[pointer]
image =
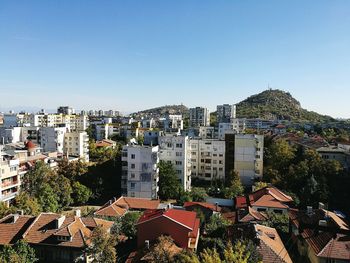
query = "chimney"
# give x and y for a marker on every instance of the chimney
(59, 221)
(77, 213)
(20, 212)
(14, 218)
(309, 210)
(216, 206)
(321, 205)
(147, 244)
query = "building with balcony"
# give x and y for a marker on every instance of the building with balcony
(9, 177)
(199, 116)
(248, 157)
(207, 159)
(77, 144)
(52, 139)
(176, 150)
(225, 113)
(140, 172)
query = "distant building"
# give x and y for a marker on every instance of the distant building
(77, 144)
(225, 113)
(10, 134)
(52, 139)
(199, 117)
(65, 110)
(207, 132)
(140, 174)
(176, 150)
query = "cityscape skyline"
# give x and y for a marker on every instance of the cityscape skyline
(135, 55)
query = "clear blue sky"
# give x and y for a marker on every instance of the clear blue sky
(130, 55)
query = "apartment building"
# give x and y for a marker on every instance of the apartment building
(10, 134)
(227, 128)
(65, 110)
(176, 150)
(207, 132)
(248, 157)
(208, 159)
(52, 139)
(9, 176)
(105, 131)
(140, 172)
(77, 144)
(199, 116)
(225, 113)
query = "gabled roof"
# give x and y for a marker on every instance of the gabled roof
(270, 197)
(10, 230)
(250, 214)
(271, 246)
(203, 204)
(118, 207)
(324, 243)
(44, 231)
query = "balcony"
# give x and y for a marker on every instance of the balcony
(9, 184)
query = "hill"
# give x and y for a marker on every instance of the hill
(167, 109)
(277, 104)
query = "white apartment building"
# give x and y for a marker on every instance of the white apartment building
(228, 128)
(176, 150)
(199, 116)
(248, 157)
(140, 172)
(105, 131)
(77, 144)
(65, 110)
(225, 113)
(208, 159)
(174, 122)
(10, 134)
(9, 178)
(52, 139)
(207, 132)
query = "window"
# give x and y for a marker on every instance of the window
(220, 162)
(179, 145)
(132, 185)
(132, 175)
(178, 171)
(168, 145)
(214, 161)
(132, 156)
(178, 154)
(178, 162)
(132, 166)
(169, 162)
(132, 194)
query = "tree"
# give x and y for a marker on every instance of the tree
(169, 185)
(29, 205)
(198, 194)
(278, 221)
(81, 194)
(163, 251)
(259, 185)
(102, 246)
(48, 199)
(20, 252)
(234, 186)
(4, 210)
(126, 225)
(72, 170)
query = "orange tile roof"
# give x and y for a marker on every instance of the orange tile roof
(203, 204)
(270, 197)
(10, 231)
(271, 246)
(44, 231)
(121, 205)
(252, 215)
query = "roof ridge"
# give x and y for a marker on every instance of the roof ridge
(328, 244)
(31, 225)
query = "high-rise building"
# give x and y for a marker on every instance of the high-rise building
(77, 144)
(199, 116)
(176, 150)
(140, 172)
(225, 113)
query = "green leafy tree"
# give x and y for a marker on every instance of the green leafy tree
(20, 252)
(81, 194)
(29, 205)
(198, 194)
(169, 185)
(259, 185)
(234, 186)
(162, 251)
(126, 225)
(4, 210)
(278, 221)
(48, 199)
(72, 170)
(102, 246)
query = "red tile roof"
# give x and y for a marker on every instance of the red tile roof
(118, 207)
(251, 214)
(203, 204)
(324, 243)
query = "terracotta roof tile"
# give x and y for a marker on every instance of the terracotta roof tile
(11, 231)
(203, 204)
